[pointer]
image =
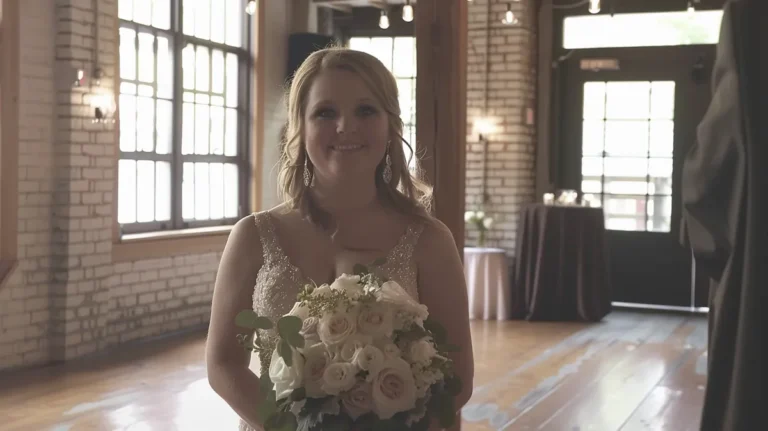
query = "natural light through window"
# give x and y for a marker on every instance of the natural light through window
(642, 29)
(399, 55)
(181, 116)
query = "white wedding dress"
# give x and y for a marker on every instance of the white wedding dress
(279, 281)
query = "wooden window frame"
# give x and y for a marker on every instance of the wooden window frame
(9, 138)
(210, 238)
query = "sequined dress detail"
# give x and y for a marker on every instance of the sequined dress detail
(279, 281)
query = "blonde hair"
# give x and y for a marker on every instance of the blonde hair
(405, 193)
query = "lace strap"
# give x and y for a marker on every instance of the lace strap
(269, 244)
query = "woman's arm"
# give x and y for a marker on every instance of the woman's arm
(227, 361)
(443, 289)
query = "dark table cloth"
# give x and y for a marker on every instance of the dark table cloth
(561, 264)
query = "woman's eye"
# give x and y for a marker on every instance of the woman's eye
(367, 110)
(324, 113)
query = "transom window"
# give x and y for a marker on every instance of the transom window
(183, 110)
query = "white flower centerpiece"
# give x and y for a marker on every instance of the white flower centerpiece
(481, 222)
(359, 353)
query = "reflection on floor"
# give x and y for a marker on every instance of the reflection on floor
(633, 371)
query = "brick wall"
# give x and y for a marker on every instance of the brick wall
(67, 298)
(500, 87)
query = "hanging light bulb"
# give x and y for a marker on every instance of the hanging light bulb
(594, 6)
(384, 20)
(691, 7)
(509, 16)
(407, 11)
(250, 8)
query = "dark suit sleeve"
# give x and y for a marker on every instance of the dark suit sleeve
(713, 172)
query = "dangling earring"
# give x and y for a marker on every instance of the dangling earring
(386, 174)
(307, 175)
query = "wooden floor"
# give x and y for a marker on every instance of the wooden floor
(631, 372)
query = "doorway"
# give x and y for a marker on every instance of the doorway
(629, 118)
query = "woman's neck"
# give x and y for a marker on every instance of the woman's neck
(345, 198)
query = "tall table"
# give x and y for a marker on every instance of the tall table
(487, 274)
(561, 264)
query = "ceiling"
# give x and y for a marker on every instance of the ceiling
(347, 5)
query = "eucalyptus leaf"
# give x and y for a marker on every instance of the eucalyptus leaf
(247, 319)
(282, 421)
(295, 339)
(285, 352)
(262, 322)
(379, 262)
(298, 394)
(439, 334)
(288, 325)
(267, 408)
(360, 269)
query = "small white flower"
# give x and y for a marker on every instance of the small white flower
(480, 214)
(469, 215)
(487, 222)
(349, 284)
(322, 290)
(339, 377)
(422, 351)
(286, 378)
(369, 358)
(393, 294)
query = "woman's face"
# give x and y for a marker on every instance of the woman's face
(346, 128)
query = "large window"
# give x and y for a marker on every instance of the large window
(399, 55)
(183, 113)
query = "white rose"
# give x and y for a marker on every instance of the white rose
(480, 214)
(302, 312)
(316, 360)
(394, 294)
(322, 290)
(488, 222)
(391, 351)
(369, 358)
(422, 351)
(286, 378)
(349, 284)
(352, 345)
(309, 330)
(394, 390)
(335, 328)
(375, 320)
(358, 400)
(339, 377)
(468, 215)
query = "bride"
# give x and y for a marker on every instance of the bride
(349, 198)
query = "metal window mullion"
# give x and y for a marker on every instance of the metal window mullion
(648, 155)
(178, 115)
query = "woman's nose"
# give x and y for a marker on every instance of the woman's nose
(346, 124)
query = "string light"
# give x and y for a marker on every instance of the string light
(384, 20)
(594, 6)
(250, 8)
(407, 11)
(509, 16)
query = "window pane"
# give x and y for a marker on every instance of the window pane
(146, 57)
(164, 68)
(146, 117)
(188, 21)
(217, 190)
(234, 19)
(591, 186)
(624, 213)
(189, 96)
(146, 90)
(217, 101)
(202, 118)
(662, 138)
(381, 48)
(127, 123)
(642, 29)
(660, 168)
(202, 98)
(188, 67)
(161, 14)
(202, 18)
(619, 187)
(188, 191)
(163, 192)
(626, 167)
(127, 88)
(218, 25)
(594, 100)
(127, 53)
(360, 43)
(125, 9)
(405, 57)
(145, 179)
(188, 129)
(406, 88)
(202, 68)
(660, 186)
(659, 214)
(217, 130)
(232, 80)
(231, 187)
(230, 143)
(593, 137)
(626, 138)
(628, 100)
(142, 11)
(592, 166)
(202, 192)
(164, 126)
(126, 192)
(217, 78)
(663, 100)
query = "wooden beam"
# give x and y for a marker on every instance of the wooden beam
(441, 105)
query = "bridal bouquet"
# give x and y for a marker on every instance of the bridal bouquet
(358, 354)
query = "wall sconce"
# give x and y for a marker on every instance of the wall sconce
(509, 16)
(103, 105)
(594, 6)
(80, 76)
(408, 11)
(483, 127)
(384, 20)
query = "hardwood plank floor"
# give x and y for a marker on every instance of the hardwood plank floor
(632, 372)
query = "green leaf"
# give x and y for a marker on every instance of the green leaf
(246, 319)
(262, 322)
(285, 352)
(453, 386)
(267, 408)
(360, 269)
(295, 339)
(288, 325)
(439, 334)
(298, 394)
(379, 262)
(449, 348)
(282, 421)
(386, 425)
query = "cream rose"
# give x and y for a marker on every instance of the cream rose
(390, 349)
(309, 330)
(394, 389)
(369, 358)
(349, 284)
(339, 377)
(357, 401)
(422, 351)
(352, 345)
(286, 378)
(335, 328)
(394, 294)
(375, 320)
(316, 360)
